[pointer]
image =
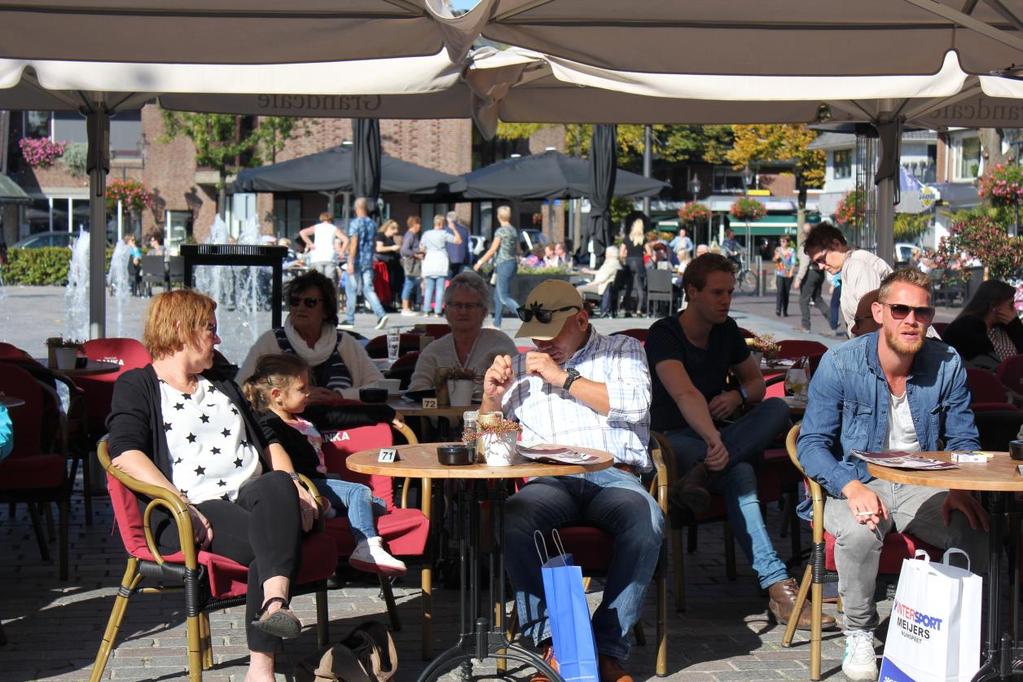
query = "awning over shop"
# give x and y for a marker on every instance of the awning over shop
(771, 225)
(11, 193)
(955, 194)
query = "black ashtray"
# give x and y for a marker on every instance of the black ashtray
(373, 395)
(453, 455)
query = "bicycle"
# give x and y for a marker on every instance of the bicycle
(745, 279)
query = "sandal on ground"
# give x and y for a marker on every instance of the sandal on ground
(281, 623)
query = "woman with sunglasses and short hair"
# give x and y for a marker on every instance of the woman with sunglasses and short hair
(987, 330)
(336, 360)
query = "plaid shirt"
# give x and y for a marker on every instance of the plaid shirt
(548, 414)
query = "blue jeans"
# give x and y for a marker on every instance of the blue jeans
(435, 291)
(409, 288)
(612, 500)
(355, 501)
(352, 283)
(745, 440)
(502, 292)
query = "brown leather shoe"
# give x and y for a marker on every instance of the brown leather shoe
(689, 496)
(548, 657)
(783, 599)
(611, 670)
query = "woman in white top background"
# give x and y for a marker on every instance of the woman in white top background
(435, 263)
(325, 244)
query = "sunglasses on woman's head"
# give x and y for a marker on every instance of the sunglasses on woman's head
(309, 302)
(923, 313)
(541, 314)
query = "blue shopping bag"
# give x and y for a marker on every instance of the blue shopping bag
(568, 613)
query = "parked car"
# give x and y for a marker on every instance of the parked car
(903, 252)
(43, 239)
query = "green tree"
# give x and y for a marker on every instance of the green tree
(224, 142)
(909, 226)
(771, 142)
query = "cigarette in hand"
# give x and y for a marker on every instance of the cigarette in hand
(865, 513)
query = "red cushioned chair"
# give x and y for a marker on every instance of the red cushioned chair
(377, 346)
(638, 334)
(30, 474)
(404, 530)
(793, 349)
(896, 548)
(1010, 373)
(210, 581)
(988, 393)
(436, 330)
(11, 352)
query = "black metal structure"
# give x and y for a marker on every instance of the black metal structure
(236, 255)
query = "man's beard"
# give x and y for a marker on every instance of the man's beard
(901, 347)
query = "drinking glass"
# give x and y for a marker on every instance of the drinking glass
(393, 344)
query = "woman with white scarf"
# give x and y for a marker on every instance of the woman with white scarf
(336, 360)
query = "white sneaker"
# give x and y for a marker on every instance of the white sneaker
(371, 557)
(408, 312)
(859, 662)
(382, 322)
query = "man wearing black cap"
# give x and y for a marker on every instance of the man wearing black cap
(580, 388)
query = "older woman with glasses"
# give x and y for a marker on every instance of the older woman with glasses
(469, 345)
(180, 425)
(336, 359)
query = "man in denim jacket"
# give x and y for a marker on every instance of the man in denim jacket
(893, 389)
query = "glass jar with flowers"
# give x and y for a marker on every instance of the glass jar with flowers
(763, 348)
(496, 438)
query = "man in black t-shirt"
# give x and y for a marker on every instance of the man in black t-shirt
(718, 426)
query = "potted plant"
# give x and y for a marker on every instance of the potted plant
(40, 152)
(747, 210)
(694, 213)
(62, 353)
(461, 383)
(851, 208)
(763, 347)
(495, 438)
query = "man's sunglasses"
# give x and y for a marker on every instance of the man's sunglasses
(309, 302)
(923, 313)
(542, 315)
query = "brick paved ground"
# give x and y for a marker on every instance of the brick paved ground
(54, 628)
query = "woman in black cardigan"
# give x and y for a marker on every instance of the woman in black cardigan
(179, 425)
(988, 330)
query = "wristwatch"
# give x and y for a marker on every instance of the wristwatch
(573, 374)
(743, 394)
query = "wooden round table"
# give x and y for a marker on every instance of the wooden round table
(478, 637)
(999, 478)
(91, 367)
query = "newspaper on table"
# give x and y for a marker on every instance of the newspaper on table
(903, 459)
(555, 454)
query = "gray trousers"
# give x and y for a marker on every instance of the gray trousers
(912, 509)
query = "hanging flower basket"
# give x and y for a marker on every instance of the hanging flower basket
(1002, 185)
(851, 208)
(41, 152)
(747, 210)
(693, 213)
(132, 194)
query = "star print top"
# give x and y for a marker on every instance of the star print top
(137, 421)
(211, 456)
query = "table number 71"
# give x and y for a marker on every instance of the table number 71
(387, 456)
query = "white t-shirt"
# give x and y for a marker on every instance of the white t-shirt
(901, 432)
(210, 455)
(323, 243)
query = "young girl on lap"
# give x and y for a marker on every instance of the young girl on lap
(279, 390)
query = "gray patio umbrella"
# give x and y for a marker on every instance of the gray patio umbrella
(366, 159)
(603, 172)
(333, 170)
(10, 192)
(550, 175)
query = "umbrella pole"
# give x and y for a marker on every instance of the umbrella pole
(98, 164)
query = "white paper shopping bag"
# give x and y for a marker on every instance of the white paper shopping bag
(934, 631)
